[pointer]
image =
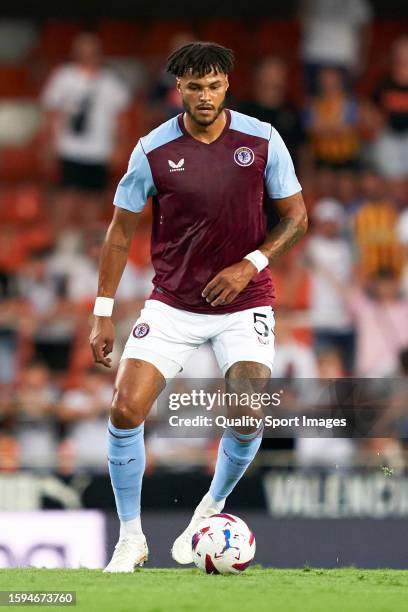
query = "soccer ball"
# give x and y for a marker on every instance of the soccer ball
(223, 544)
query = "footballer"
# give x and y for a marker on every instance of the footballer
(207, 171)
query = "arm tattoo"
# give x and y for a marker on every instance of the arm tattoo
(119, 247)
(283, 237)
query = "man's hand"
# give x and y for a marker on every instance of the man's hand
(101, 340)
(226, 285)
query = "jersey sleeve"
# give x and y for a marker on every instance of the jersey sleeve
(280, 177)
(137, 185)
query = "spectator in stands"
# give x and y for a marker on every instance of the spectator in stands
(13, 254)
(336, 33)
(380, 314)
(347, 189)
(8, 444)
(331, 121)
(10, 318)
(374, 227)
(293, 359)
(394, 419)
(82, 282)
(84, 411)
(52, 317)
(35, 402)
(327, 450)
(84, 103)
(270, 102)
(329, 253)
(391, 99)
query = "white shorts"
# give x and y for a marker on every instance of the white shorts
(167, 337)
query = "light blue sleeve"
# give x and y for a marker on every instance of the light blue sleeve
(280, 177)
(137, 185)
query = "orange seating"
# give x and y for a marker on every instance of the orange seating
(278, 36)
(135, 120)
(56, 38)
(383, 33)
(158, 37)
(15, 81)
(23, 204)
(120, 37)
(14, 250)
(20, 163)
(241, 80)
(139, 252)
(9, 453)
(231, 33)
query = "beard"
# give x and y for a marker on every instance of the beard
(203, 122)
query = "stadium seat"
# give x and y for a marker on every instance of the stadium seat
(22, 204)
(14, 251)
(383, 33)
(139, 252)
(56, 38)
(158, 37)
(136, 120)
(241, 80)
(279, 37)
(231, 33)
(120, 37)
(9, 453)
(20, 163)
(15, 81)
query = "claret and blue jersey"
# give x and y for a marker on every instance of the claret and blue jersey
(208, 205)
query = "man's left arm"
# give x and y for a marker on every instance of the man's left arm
(228, 283)
(284, 189)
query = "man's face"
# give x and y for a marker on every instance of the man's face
(87, 49)
(203, 98)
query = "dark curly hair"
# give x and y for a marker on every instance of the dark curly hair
(200, 58)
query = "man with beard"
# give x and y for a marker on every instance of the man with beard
(207, 171)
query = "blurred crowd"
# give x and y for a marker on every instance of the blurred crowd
(333, 81)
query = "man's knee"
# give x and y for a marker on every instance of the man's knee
(246, 380)
(248, 370)
(128, 410)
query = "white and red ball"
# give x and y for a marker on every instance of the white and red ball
(223, 544)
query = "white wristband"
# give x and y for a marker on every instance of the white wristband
(103, 307)
(259, 260)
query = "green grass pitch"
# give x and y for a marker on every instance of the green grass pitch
(185, 590)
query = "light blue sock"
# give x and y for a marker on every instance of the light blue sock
(235, 452)
(126, 459)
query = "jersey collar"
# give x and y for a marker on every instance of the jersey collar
(224, 131)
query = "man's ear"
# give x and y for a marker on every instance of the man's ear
(178, 85)
(227, 82)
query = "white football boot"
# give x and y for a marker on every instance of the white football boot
(130, 551)
(182, 550)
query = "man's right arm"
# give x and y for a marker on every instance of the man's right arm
(113, 260)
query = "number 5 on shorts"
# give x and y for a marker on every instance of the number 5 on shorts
(260, 325)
